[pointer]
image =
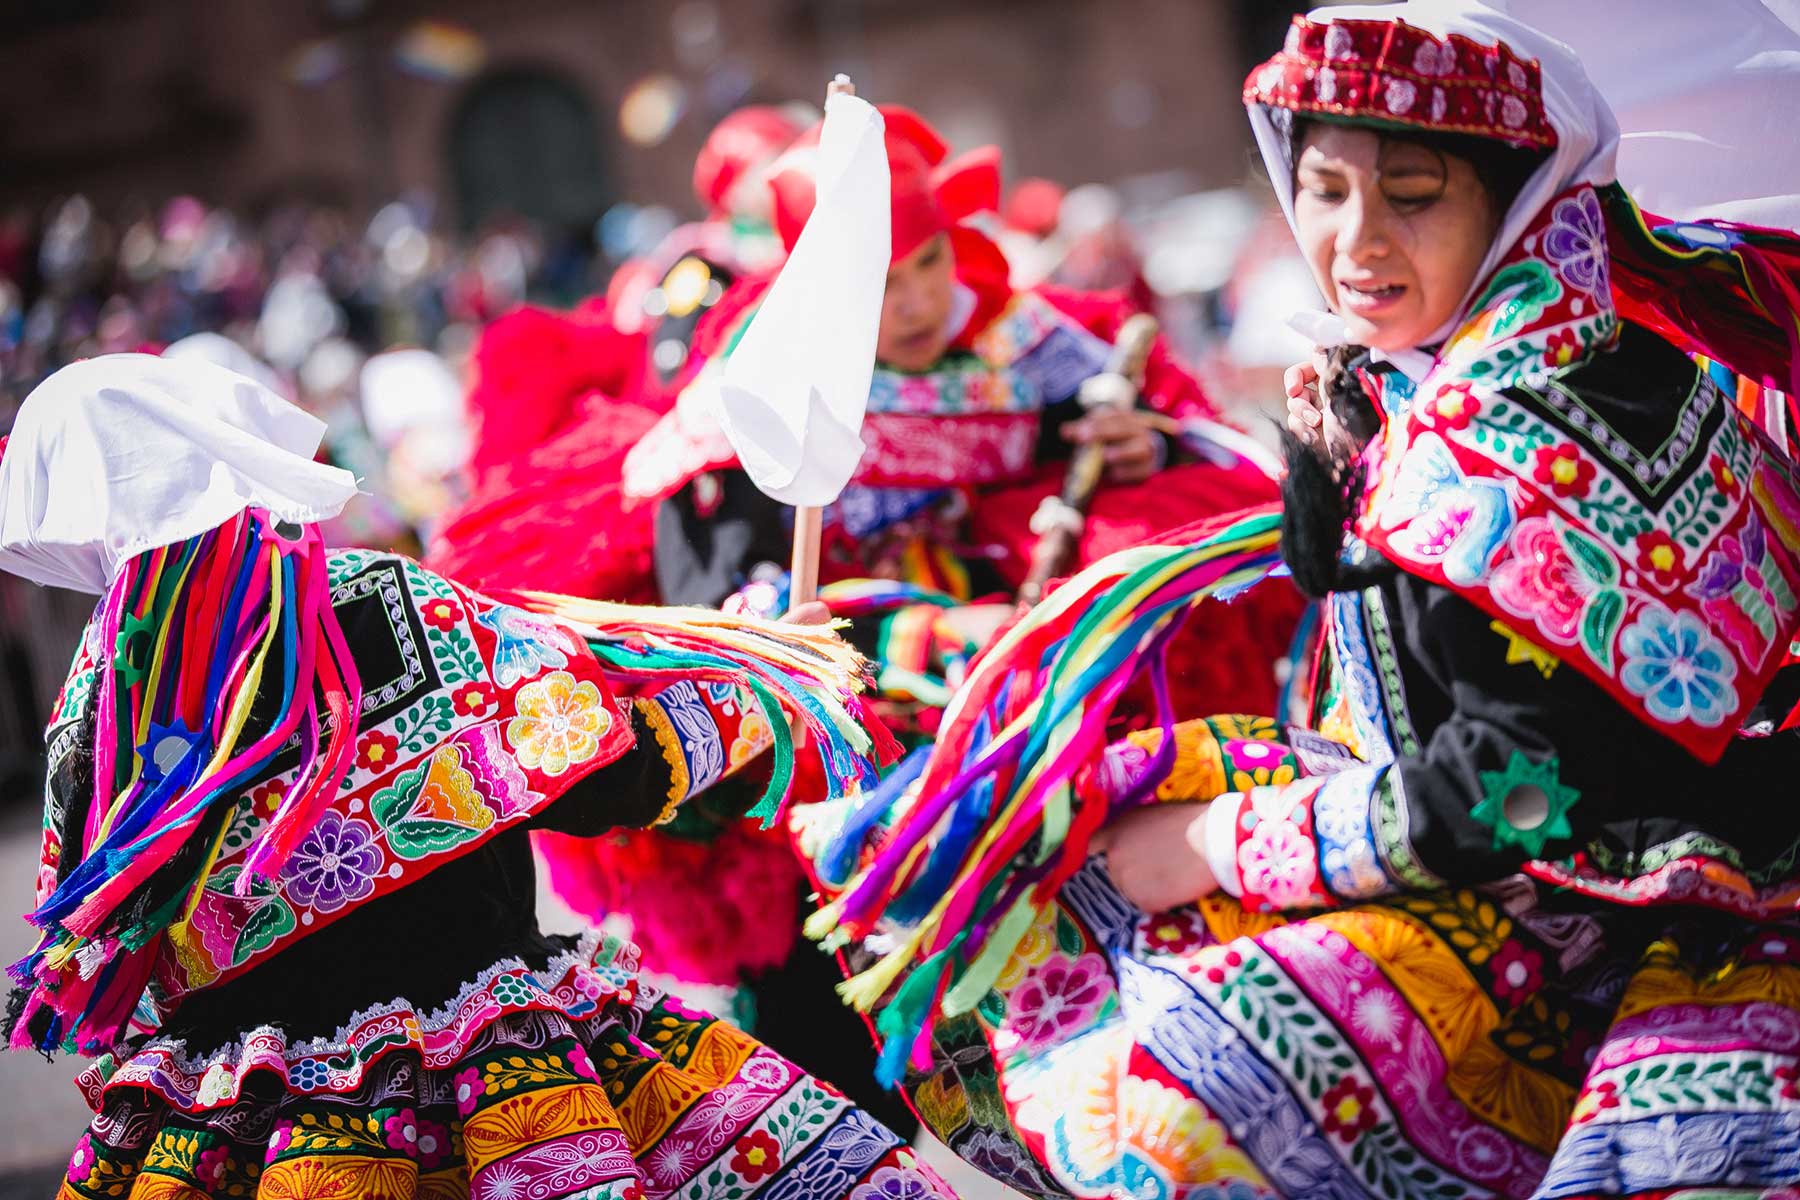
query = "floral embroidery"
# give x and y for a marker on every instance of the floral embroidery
(1561, 348)
(1594, 1101)
(335, 865)
(377, 751)
(1174, 932)
(1576, 243)
(757, 1156)
(1453, 408)
(1277, 863)
(1518, 972)
(1526, 804)
(440, 614)
(402, 1130)
(1659, 558)
(1563, 469)
(1539, 580)
(1054, 1000)
(560, 723)
(473, 699)
(1349, 1110)
(1678, 667)
(894, 1183)
(1724, 478)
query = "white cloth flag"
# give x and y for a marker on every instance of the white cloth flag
(1706, 95)
(793, 392)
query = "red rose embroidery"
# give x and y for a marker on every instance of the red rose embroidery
(1563, 469)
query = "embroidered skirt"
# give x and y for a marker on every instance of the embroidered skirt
(573, 1080)
(1462, 1044)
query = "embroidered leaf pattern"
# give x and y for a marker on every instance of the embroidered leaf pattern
(414, 727)
(1600, 621)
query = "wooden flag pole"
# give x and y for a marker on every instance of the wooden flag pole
(803, 571)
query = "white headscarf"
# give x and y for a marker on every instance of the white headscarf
(120, 454)
(1587, 135)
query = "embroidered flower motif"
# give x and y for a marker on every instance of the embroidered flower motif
(377, 751)
(1434, 58)
(1257, 763)
(211, 1166)
(469, 1089)
(1440, 104)
(1349, 1109)
(1724, 478)
(402, 1130)
(1680, 670)
(1055, 998)
(1594, 1101)
(1659, 558)
(266, 799)
(1401, 94)
(1516, 74)
(1561, 348)
(560, 723)
(1518, 972)
(1339, 43)
(1563, 469)
(632, 1192)
(1513, 112)
(894, 1183)
(1224, 967)
(1325, 85)
(81, 1162)
(1789, 1077)
(432, 1141)
(280, 1140)
(757, 1156)
(1540, 581)
(1277, 863)
(440, 614)
(1174, 932)
(472, 699)
(1575, 243)
(1376, 1016)
(335, 865)
(218, 1083)
(1454, 407)
(581, 1064)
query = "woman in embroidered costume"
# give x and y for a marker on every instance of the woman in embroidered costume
(285, 840)
(1515, 913)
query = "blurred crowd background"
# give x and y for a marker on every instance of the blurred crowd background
(322, 183)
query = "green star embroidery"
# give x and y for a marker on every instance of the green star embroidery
(131, 629)
(1526, 805)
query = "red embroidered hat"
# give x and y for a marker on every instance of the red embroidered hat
(931, 192)
(736, 144)
(1389, 72)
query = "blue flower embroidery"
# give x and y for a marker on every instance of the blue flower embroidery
(1680, 669)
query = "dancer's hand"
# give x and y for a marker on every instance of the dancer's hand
(813, 612)
(1305, 405)
(1157, 855)
(1128, 437)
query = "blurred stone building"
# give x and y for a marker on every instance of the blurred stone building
(557, 108)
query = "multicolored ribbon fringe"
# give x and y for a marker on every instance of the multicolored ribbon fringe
(806, 672)
(1005, 806)
(190, 637)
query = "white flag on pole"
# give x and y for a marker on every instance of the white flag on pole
(793, 392)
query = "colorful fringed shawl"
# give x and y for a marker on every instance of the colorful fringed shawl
(1001, 822)
(257, 776)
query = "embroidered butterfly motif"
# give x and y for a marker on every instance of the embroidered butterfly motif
(1444, 516)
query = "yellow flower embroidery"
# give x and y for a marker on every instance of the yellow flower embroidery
(559, 724)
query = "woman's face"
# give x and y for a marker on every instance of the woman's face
(915, 312)
(1394, 232)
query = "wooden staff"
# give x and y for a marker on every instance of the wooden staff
(1060, 520)
(803, 570)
